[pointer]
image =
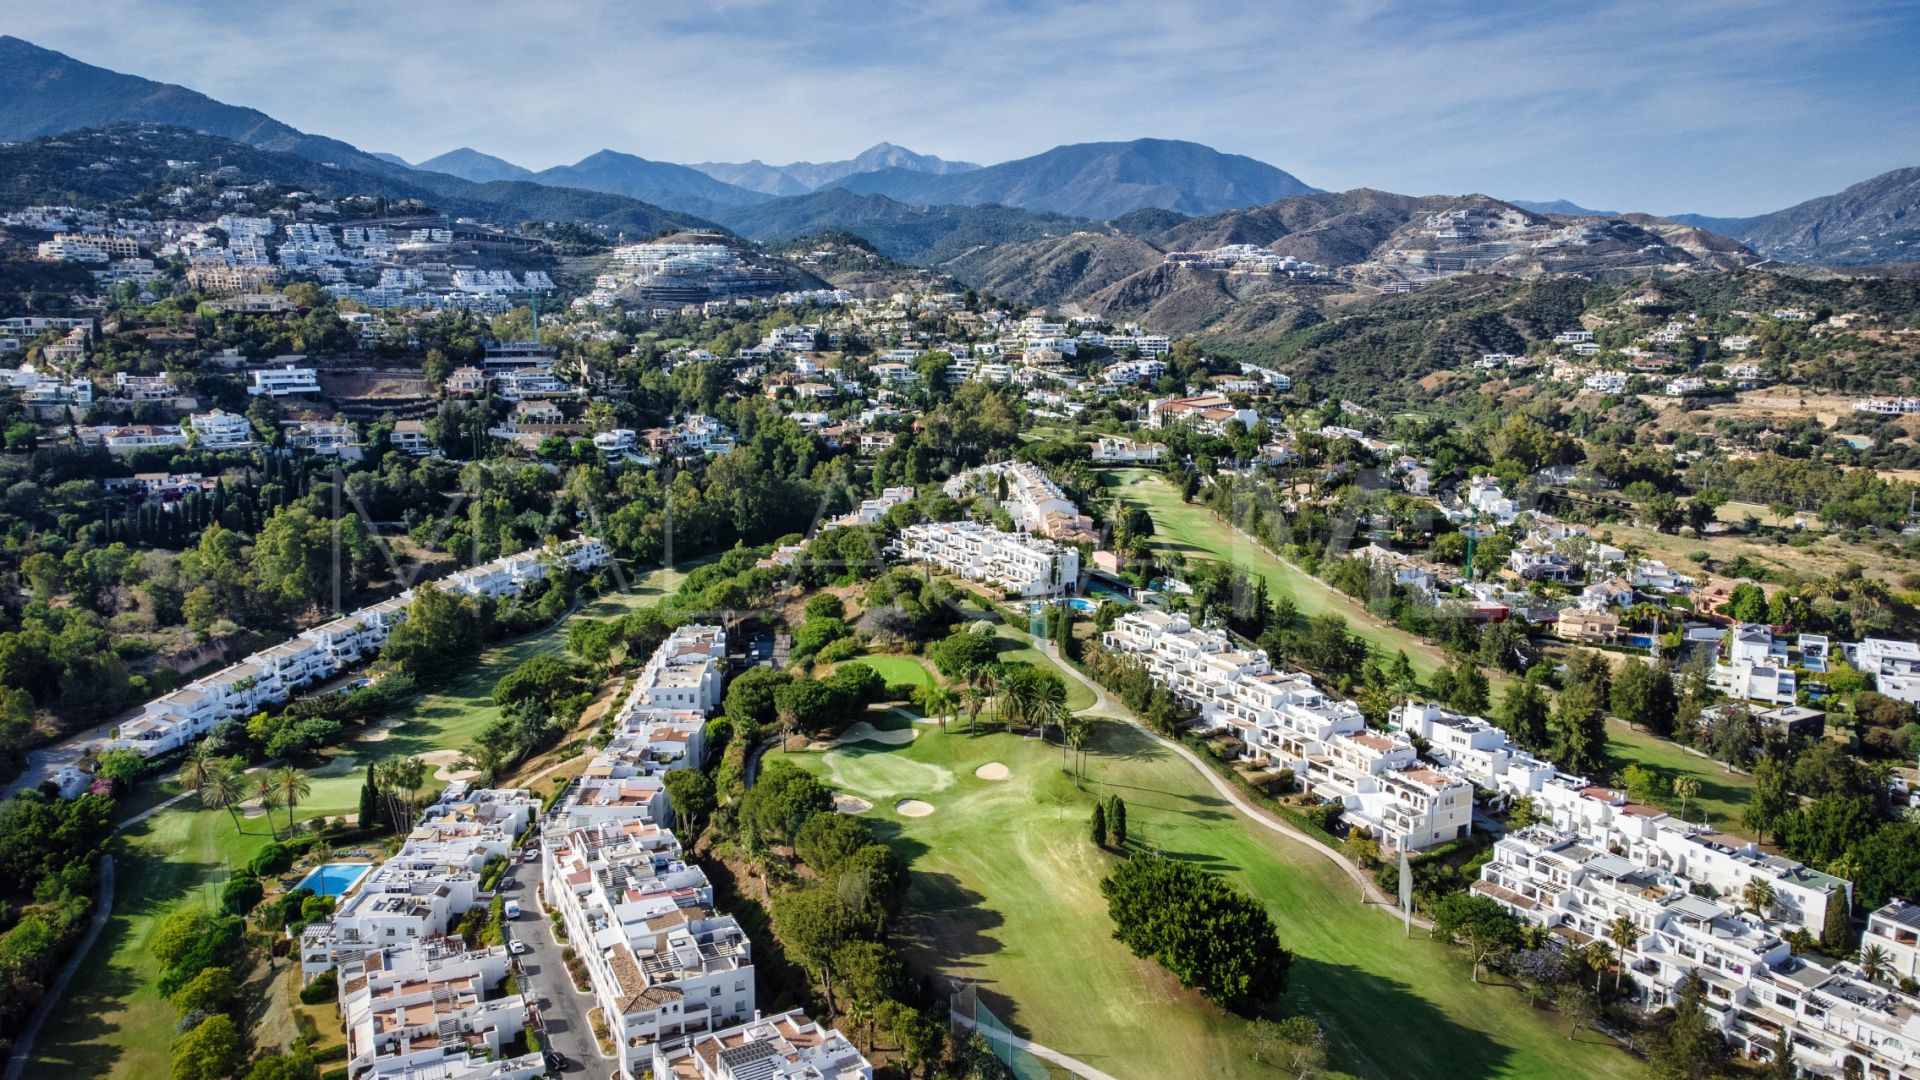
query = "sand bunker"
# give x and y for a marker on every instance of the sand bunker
(993, 770)
(252, 808)
(912, 808)
(850, 804)
(339, 766)
(380, 733)
(446, 759)
(865, 732)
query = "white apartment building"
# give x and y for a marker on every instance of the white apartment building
(1120, 450)
(1484, 498)
(1023, 566)
(870, 511)
(1034, 501)
(1755, 667)
(273, 675)
(220, 430)
(785, 1047)
(662, 963)
(687, 672)
(433, 879)
(1896, 929)
(410, 437)
(282, 381)
(1210, 413)
(1755, 988)
(1894, 665)
(1287, 722)
(427, 1009)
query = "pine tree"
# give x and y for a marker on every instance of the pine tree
(1117, 820)
(1099, 825)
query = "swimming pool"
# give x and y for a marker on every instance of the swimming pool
(334, 878)
(1081, 603)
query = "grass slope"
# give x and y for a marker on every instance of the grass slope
(113, 1022)
(1005, 894)
(1194, 530)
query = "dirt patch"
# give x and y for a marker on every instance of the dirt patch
(993, 770)
(850, 804)
(913, 808)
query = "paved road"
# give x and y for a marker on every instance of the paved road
(544, 978)
(1051, 1056)
(102, 911)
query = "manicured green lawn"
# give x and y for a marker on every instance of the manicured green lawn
(113, 1022)
(899, 669)
(1193, 529)
(1723, 795)
(1005, 894)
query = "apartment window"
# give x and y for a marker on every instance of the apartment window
(716, 992)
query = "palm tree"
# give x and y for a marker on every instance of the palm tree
(1534, 937)
(269, 796)
(1599, 958)
(1076, 737)
(1684, 789)
(938, 701)
(293, 785)
(221, 788)
(987, 680)
(1872, 961)
(1759, 896)
(200, 764)
(1624, 935)
(973, 699)
(412, 775)
(1050, 706)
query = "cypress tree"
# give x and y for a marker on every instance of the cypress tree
(1117, 820)
(369, 800)
(1099, 825)
(1836, 934)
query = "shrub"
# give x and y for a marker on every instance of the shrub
(241, 894)
(323, 989)
(1204, 931)
(275, 858)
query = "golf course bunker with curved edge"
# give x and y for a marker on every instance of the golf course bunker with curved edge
(446, 762)
(913, 808)
(865, 732)
(993, 770)
(850, 804)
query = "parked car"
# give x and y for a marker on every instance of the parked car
(517, 947)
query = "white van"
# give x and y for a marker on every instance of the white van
(512, 909)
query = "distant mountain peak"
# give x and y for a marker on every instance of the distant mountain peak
(1099, 180)
(470, 164)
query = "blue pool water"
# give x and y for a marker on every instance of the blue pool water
(334, 879)
(1081, 603)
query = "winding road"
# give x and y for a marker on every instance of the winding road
(1105, 706)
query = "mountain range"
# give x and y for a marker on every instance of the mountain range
(920, 207)
(1098, 180)
(802, 177)
(1874, 221)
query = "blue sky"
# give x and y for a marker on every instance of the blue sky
(1716, 106)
